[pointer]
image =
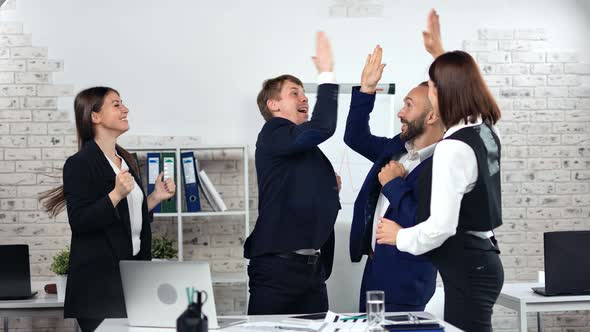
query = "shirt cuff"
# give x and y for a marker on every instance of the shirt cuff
(403, 240)
(326, 77)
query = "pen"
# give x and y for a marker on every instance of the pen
(294, 328)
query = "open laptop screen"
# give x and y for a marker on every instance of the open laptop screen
(567, 262)
(15, 275)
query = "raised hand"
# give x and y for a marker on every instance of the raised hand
(372, 71)
(163, 189)
(432, 38)
(323, 60)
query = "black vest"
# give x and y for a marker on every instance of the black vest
(481, 208)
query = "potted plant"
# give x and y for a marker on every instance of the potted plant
(163, 248)
(60, 266)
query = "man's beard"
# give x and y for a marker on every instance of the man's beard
(414, 128)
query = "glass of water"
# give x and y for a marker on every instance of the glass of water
(375, 309)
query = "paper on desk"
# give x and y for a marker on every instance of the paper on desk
(335, 324)
(281, 326)
(331, 323)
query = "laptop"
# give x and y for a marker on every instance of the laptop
(155, 292)
(15, 274)
(567, 263)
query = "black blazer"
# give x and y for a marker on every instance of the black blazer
(101, 236)
(298, 193)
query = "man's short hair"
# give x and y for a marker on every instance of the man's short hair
(271, 89)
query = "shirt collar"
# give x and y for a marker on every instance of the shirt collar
(124, 165)
(450, 131)
(422, 154)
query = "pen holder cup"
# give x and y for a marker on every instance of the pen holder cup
(193, 319)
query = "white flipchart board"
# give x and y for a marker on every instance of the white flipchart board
(344, 283)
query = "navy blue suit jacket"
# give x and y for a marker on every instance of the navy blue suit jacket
(405, 278)
(298, 194)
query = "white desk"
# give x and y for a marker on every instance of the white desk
(42, 305)
(521, 298)
(120, 325)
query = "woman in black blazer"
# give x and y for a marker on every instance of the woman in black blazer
(107, 209)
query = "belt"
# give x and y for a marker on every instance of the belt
(305, 259)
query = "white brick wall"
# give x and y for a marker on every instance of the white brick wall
(545, 129)
(25, 170)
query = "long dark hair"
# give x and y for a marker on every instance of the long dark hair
(462, 92)
(86, 102)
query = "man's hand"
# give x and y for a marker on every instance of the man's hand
(372, 71)
(392, 170)
(432, 38)
(339, 182)
(387, 232)
(323, 60)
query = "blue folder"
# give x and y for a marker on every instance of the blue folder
(191, 182)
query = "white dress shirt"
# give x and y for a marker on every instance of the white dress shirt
(326, 77)
(134, 203)
(323, 78)
(410, 160)
(454, 173)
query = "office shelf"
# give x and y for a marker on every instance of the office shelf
(235, 277)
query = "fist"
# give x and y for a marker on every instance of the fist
(164, 189)
(392, 170)
(124, 183)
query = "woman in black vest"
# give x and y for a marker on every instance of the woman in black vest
(459, 196)
(107, 209)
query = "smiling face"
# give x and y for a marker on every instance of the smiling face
(291, 104)
(112, 116)
(413, 113)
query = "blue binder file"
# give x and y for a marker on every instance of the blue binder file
(191, 182)
(153, 170)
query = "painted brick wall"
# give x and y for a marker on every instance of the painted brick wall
(544, 95)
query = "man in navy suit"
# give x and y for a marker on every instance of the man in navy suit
(291, 248)
(389, 191)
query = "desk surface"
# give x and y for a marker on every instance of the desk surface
(42, 305)
(522, 292)
(41, 300)
(48, 301)
(120, 325)
(521, 298)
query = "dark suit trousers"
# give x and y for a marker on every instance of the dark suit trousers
(473, 276)
(282, 286)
